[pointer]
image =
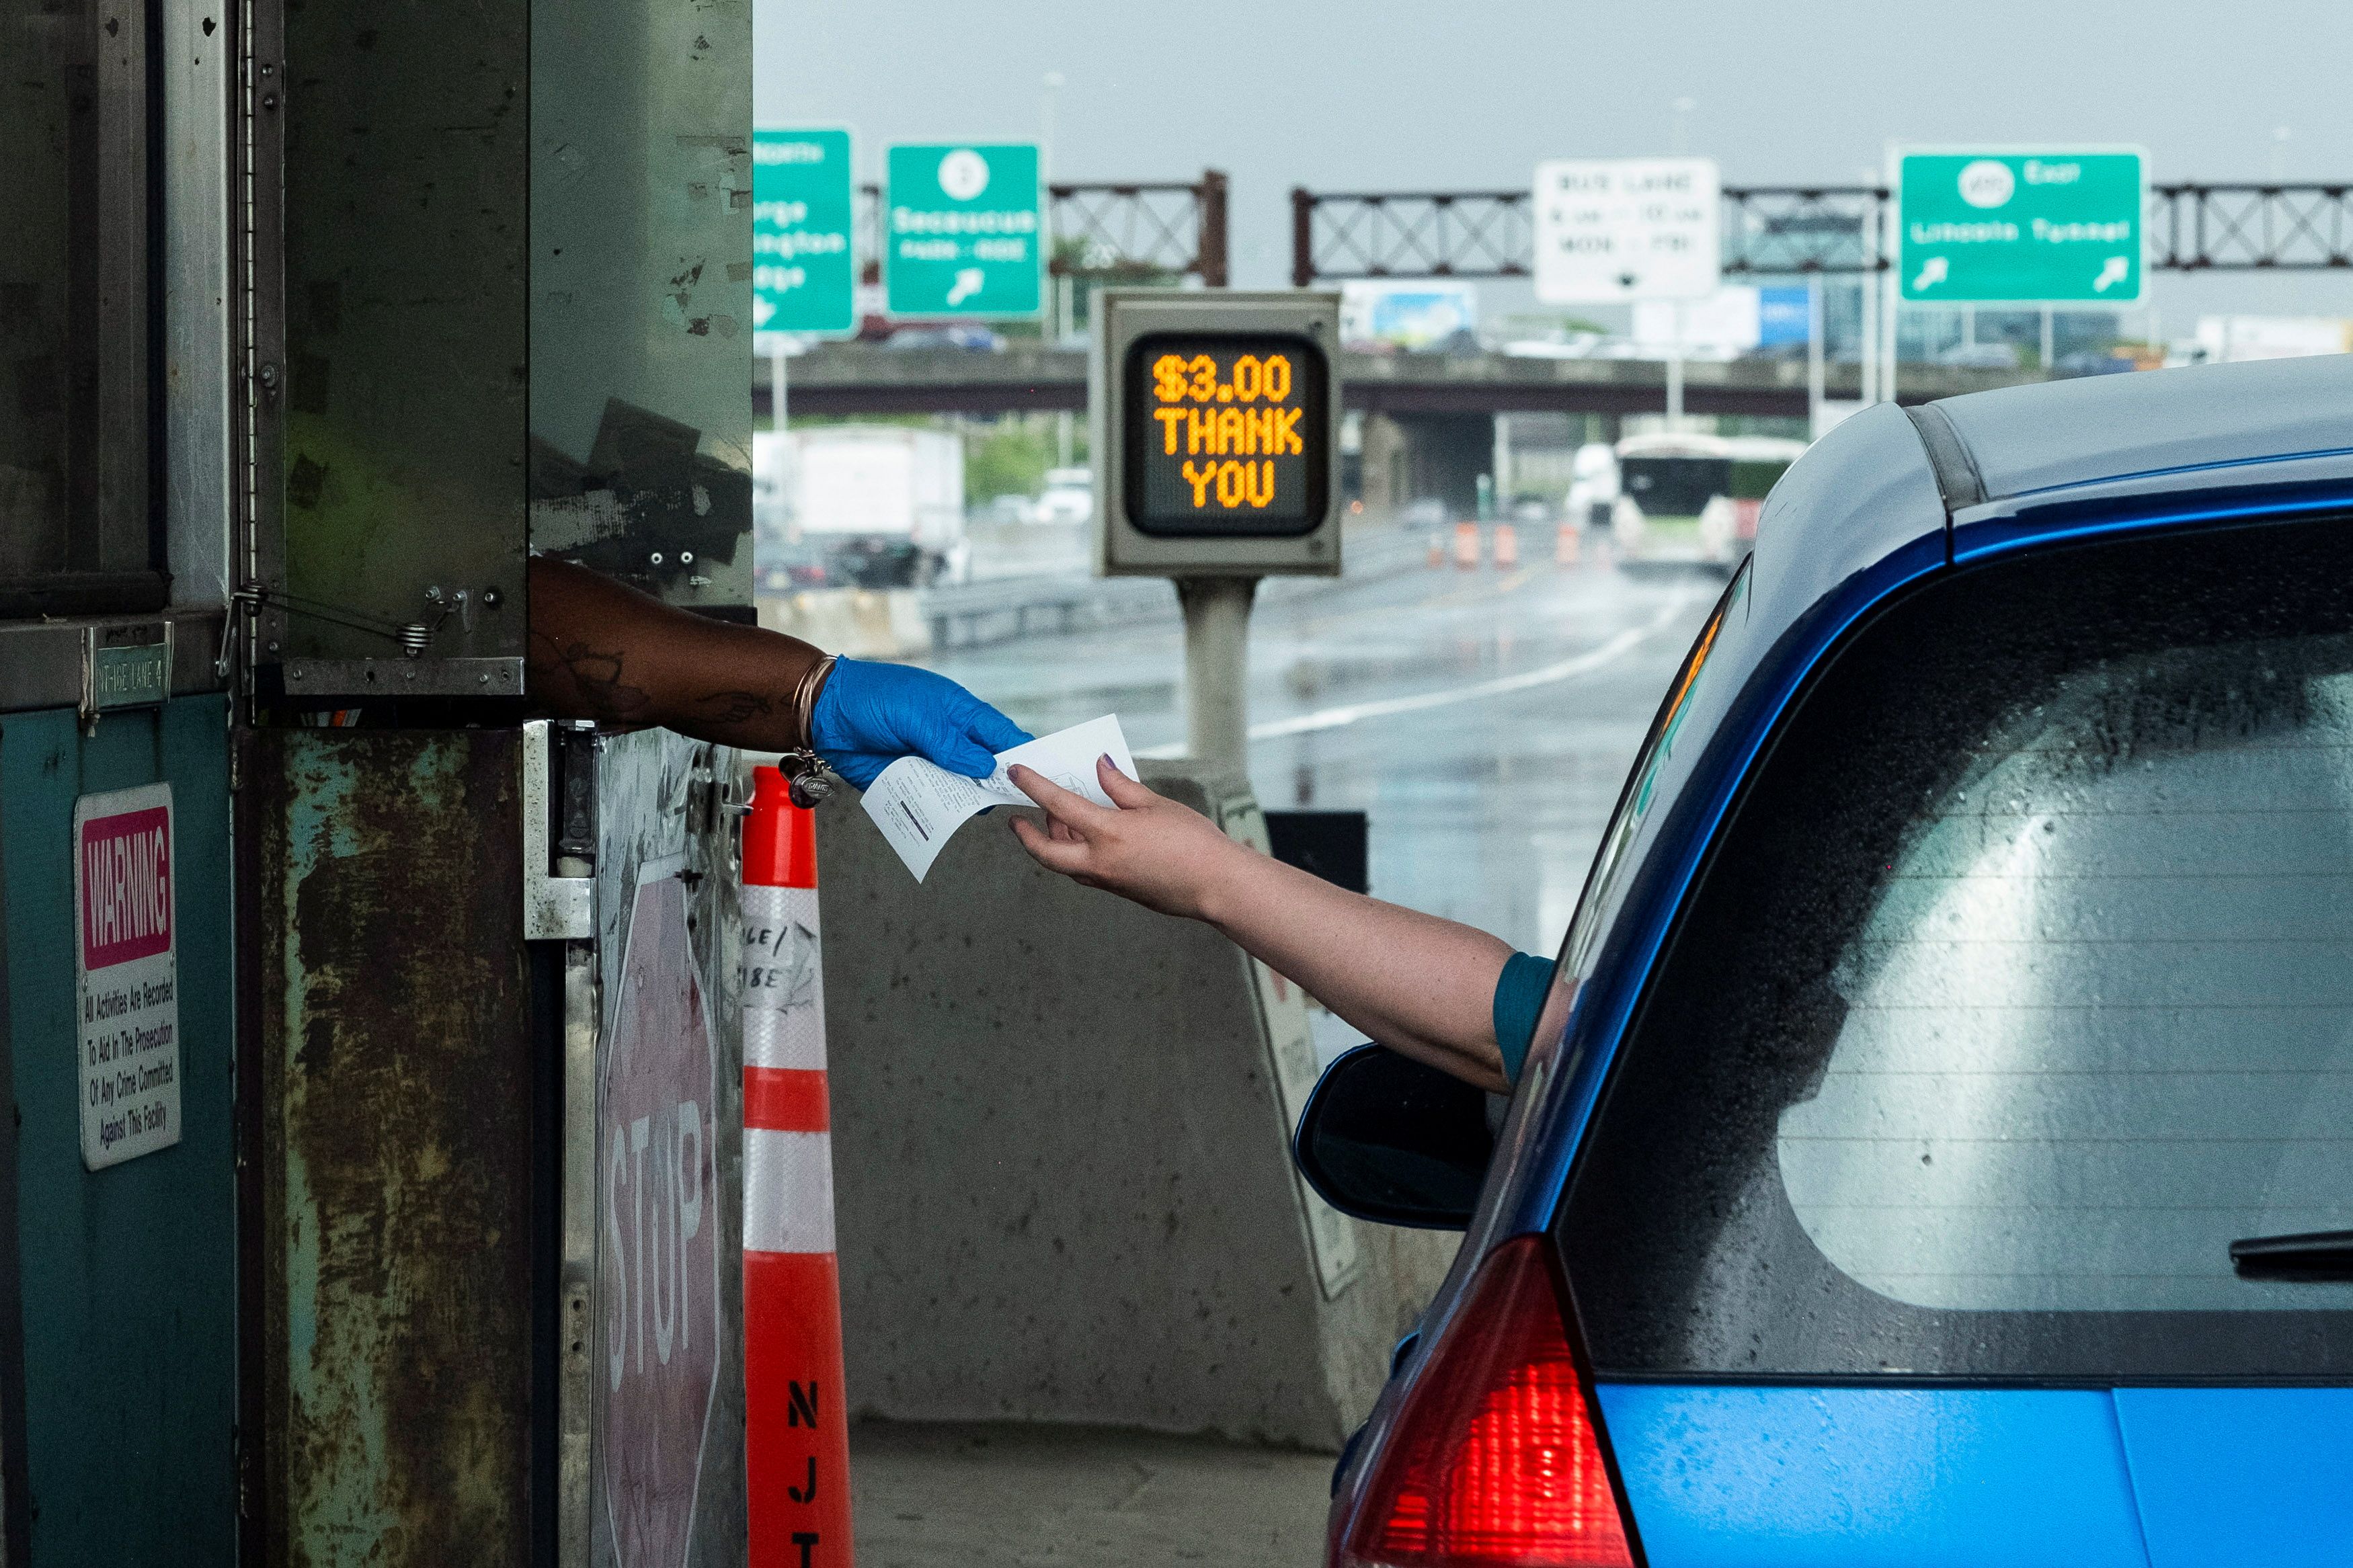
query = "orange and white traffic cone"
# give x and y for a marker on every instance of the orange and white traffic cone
(1466, 544)
(796, 1419)
(1564, 545)
(1507, 546)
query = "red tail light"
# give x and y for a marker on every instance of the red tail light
(1495, 1458)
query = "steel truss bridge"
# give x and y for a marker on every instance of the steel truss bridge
(1142, 232)
(1164, 231)
(1136, 232)
(1781, 230)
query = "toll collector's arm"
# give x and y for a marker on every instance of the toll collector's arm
(600, 649)
(1418, 984)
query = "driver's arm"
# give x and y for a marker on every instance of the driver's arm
(1433, 989)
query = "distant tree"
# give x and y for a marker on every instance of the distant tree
(1007, 458)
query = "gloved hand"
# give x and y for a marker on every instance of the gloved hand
(869, 715)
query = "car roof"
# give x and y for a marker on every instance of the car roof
(2044, 436)
(1888, 479)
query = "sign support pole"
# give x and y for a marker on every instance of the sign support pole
(1675, 373)
(1216, 669)
(2050, 343)
(1867, 302)
(1889, 339)
(1815, 368)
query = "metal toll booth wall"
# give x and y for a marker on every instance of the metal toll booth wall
(501, 302)
(121, 1400)
(118, 1368)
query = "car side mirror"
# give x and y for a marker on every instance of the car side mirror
(1389, 1140)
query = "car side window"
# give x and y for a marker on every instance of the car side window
(2017, 987)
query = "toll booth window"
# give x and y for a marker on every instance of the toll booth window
(74, 525)
(1226, 434)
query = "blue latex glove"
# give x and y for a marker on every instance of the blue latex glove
(870, 715)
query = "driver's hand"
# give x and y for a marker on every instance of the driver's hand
(1164, 855)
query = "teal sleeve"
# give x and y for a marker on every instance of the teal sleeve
(1519, 998)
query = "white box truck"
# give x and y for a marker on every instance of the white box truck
(873, 506)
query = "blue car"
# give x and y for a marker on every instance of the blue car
(1936, 1148)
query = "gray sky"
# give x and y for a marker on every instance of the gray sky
(1390, 95)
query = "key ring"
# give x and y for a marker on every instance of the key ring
(807, 778)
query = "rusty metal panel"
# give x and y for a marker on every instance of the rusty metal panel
(665, 1368)
(390, 1153)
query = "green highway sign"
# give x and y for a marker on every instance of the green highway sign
(2035, 227)
(963, 231)
(803, 275)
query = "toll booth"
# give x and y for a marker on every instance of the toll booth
(373, 1192)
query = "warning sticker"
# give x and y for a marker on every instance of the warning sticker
(127, 959)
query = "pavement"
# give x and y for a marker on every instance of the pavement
(959, 1496)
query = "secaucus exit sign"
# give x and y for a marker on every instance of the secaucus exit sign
(2022, 226)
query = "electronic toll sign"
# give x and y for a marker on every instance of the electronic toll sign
(1215, 433)
(1228, 435)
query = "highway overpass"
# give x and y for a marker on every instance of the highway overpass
(841, 379)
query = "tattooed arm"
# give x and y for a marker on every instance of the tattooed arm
(602, 650)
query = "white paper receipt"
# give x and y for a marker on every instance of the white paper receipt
(919, 804)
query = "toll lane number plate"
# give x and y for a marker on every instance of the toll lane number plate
(126, 954)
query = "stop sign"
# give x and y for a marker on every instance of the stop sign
(658, 1265)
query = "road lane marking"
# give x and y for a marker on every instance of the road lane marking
(1569, 668)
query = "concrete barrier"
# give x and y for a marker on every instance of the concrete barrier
(910, 623)
(864, 623)
(1063, 1185)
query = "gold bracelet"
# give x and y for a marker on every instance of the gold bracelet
(806, 691)
(804, 770)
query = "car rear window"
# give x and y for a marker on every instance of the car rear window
(2018, 986)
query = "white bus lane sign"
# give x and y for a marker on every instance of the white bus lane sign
(657, 1269)
(1611, 230)
(126, 950)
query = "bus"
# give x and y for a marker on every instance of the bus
(1680, 498)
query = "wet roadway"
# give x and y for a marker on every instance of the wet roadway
(1483, 717)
